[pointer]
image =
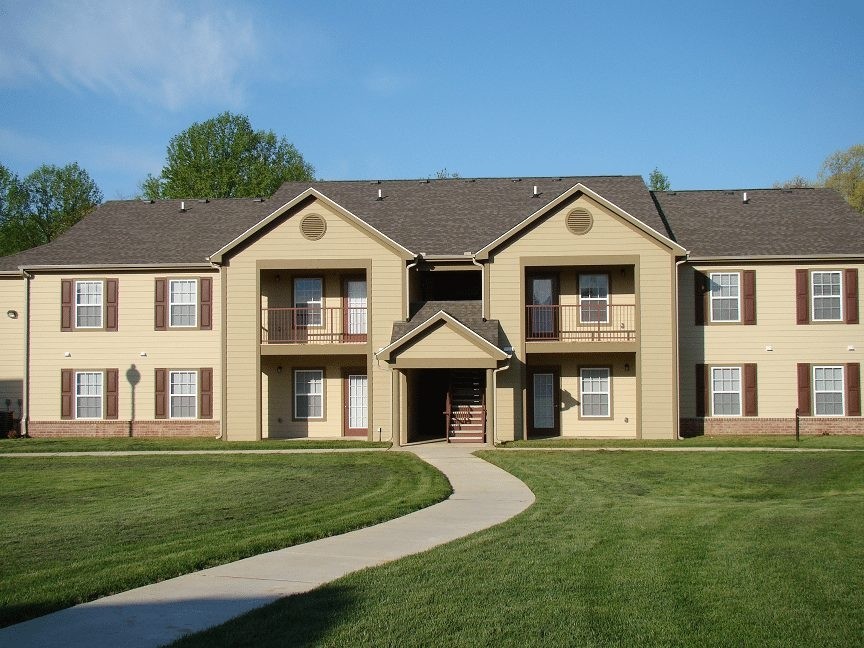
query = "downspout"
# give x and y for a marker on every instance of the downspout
(223, 356)
(495, 400)
(482, 286)
(407, 292)
(25, 396)
(678, 351)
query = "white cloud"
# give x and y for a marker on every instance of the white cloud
(160, 53)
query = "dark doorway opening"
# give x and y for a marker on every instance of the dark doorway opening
(457, 285)
(427, 398)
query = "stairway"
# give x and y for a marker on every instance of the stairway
(466, 407)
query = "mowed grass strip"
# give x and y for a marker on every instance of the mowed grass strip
(143, 443)
(626, 549)
(74, 528)
(732, 441)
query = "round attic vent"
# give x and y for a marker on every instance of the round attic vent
(579, 221)
(313, 227)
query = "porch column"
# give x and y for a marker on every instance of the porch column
(490, 408)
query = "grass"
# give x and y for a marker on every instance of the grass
(138, 443)
(75, 528)
(629, 549)
(763, 441)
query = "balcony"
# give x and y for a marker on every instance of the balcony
(589, 322)
(313, 326)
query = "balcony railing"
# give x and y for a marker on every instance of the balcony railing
(321, 325)
(593, 321)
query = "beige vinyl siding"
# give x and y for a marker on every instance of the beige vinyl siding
(610, 236)
(283, 241)
(443, 342)
(12, 333)
(121, 349)
(735, 344)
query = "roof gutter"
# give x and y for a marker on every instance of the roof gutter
(770, 258)
(118, 266)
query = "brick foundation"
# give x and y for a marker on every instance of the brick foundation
(755, 425)
(162, 428)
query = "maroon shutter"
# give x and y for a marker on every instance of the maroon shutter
(67, 393)
(66, 305)
(161, 393)
(748, 279)
(205, 381)
(161, 304)
(703, 390)
(205, 321)
(851, 298)
(111, 297)
(751, 403)
(802, 296)
(112, 387)
(804, 407)
(853, 389)
(701, 295)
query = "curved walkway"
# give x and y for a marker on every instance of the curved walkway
(483, 496)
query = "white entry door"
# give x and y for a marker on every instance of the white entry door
(356, 405)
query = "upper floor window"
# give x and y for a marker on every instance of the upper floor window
(308, 300)
(183, 306)
(88, 394)
(725, 297)
(594, 298)
(88, 304)
(828, 391)
(827, 295)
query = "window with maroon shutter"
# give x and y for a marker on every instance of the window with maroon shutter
(703, 390)
(701, 293)
(205, 321)
(161, 393)
(111, 299)
(802, 297)
(161, 305)
(67, 393)
(67, 308)
(112, 388)
(850, 301)
(205, 385)
(804, 406)
(748, 297)
(853, 389)
(751, 402)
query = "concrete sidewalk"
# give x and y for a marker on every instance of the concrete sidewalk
(483, 496)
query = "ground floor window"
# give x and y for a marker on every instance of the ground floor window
(726, 391)
(88, 394)
(184, 394)
(308, 394)
(596, 392)
(828, 391)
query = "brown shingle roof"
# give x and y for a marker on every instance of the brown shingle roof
(469, 313)
(773, 222)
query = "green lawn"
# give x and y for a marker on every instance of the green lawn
(764, 441)
(139, 443)
(629, 549)
(74, 528)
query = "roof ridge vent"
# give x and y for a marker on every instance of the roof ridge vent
(148, 201)
(204, 200)
(515, 179)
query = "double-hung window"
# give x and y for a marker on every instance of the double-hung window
(308, 300)
(725, 297)
(826, 290)
(828, 391)
(184, 394)
(88, 394)
(88, 304)
(726, 391)
(308, 394)
(183, 304)
(595, 389)
(594, 298)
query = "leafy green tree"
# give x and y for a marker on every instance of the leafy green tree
(43, 205)
(658, 181)
(224, 157)
(844, 171)
(795, 182)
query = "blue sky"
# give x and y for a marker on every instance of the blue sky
(717, 95)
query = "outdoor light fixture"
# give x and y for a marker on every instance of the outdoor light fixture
(67, 354)
(279, 369)
(12, 314)
(143, 354)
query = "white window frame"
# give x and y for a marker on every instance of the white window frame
(814, 297)
(587, 301)
(100, 396)
(172, 395)
(608, 391)
(101, 284)
(720, 297)
(739, 391)
(313, 314)
(172, 303)
(320, 395)
(842, 392)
